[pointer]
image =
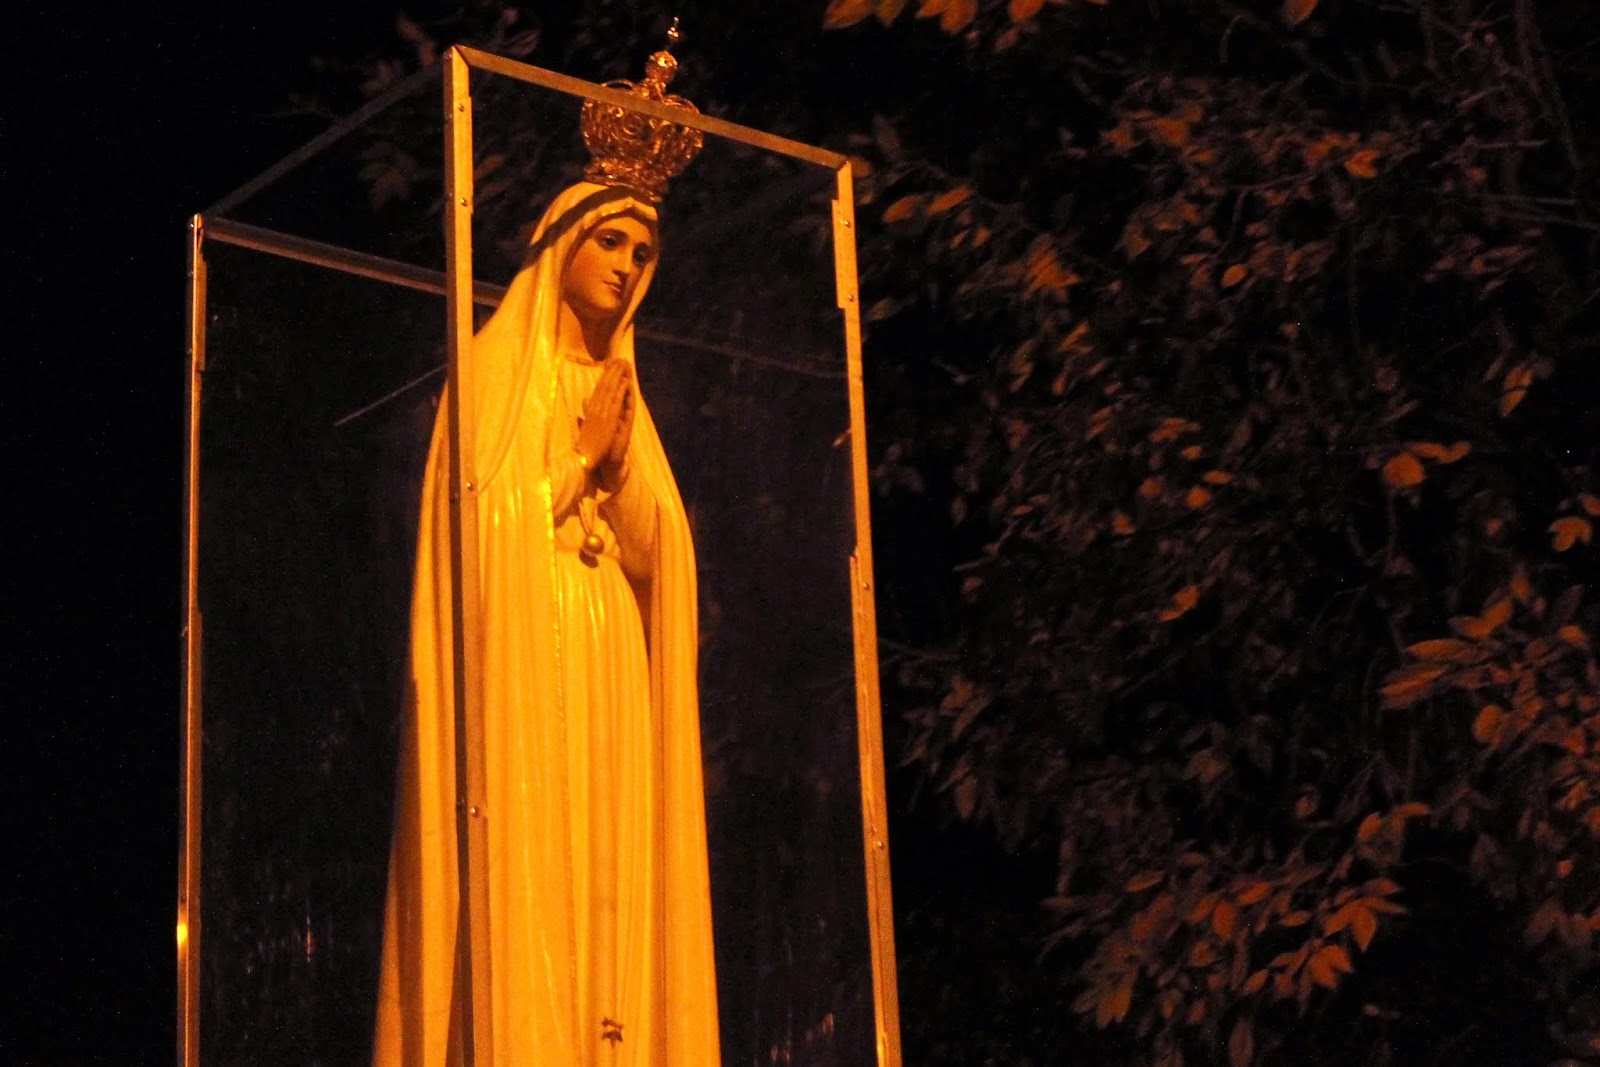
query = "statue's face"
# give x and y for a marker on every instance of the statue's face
(605, 266)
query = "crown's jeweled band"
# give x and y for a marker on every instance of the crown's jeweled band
(633, 150)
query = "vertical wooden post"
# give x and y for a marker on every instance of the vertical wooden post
(869, 721)
(188, 925)
(473, 965)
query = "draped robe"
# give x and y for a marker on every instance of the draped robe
(599, 914)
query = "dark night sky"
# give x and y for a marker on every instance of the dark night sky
(119, 124)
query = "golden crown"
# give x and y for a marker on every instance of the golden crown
(632, 150)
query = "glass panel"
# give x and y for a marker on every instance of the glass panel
(743, 364)
(526, 148)
(375, 190)
(308, 512)
(741, 361)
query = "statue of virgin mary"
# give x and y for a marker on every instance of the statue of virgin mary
(599, 901)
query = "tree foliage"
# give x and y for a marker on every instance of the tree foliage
(1239, 358)
(1284, 491)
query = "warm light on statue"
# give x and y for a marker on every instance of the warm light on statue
(599, 907)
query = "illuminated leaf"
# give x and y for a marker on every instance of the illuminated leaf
(1077, 339)
(966, 797)
(1437, 452)
(1542, 923)
(1362, 164)
(1134, 239)
(1315, 152)
(1197, 497)
(1170, 429)
(1483, 627)
(1590, 504)
(945, 201)
(1045, 272)
(1113, 1003)
(1487, 726)
(1573, 636)
(1023, 10)
(1341, 918)
(1184, 600)
(1242, 1043)
(1202, 911)
(962, 692)
(1363, 927)
(1222, 919)
(1569, 531)
(1358, 917)
(1255, 983)
(1294, 12)
(1168, 131)
(1403, 471)
(1410, 685)
(1521, 588)
(1120, 137)
(1444, 648)
(1216, 477)
(1322, 972)
(1385, 907)
(889, 10)
(902, 209)
(843, 13)
(1515, 387)
(1234, 275)
(1140, 882)
(1254, 893)
(954, 14)
(1326, 966)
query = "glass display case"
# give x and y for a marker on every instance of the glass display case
(326, 322)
